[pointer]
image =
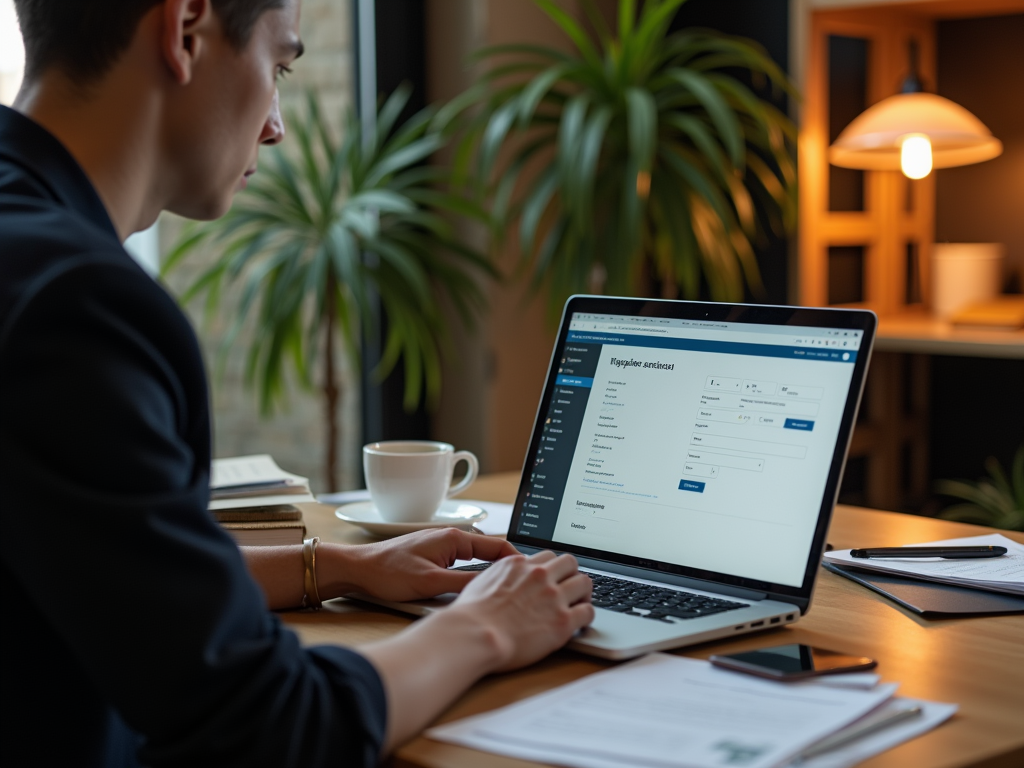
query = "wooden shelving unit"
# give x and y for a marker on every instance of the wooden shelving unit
(920, 333)
(866, 237)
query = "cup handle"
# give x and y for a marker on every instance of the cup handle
(473, 471)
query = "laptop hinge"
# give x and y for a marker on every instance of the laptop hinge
(667, 578)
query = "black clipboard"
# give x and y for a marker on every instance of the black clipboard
(929, 599)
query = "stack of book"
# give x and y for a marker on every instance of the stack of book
(256, 501)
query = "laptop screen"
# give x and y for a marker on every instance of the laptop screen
(698, 443)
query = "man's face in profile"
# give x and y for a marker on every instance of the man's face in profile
(218, 121)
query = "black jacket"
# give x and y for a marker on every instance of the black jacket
(131, 630)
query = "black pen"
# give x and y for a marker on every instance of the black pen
(949, 553)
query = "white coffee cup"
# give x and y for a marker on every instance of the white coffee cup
(409, 479)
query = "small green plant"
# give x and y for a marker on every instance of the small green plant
(321, 235)
(637, 159)
(996, 500)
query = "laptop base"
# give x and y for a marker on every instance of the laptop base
(619, 636)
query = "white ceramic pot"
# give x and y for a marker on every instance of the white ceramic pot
(965, 273)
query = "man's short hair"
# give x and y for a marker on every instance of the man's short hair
(85, 37)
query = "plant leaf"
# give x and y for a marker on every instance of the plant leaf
(723, 118)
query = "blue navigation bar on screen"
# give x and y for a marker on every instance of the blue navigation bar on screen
(724, 347)
(574, 381)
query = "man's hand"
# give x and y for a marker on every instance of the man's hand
(409, 567)
(514, 613)
(530, 606)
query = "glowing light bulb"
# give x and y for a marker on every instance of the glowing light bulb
(916, 156)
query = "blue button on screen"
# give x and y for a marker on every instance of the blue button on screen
(803, 424)
(575, 381)
(691, 485)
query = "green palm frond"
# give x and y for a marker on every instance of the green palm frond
(653, 160)
(997, 500)
(350, 218)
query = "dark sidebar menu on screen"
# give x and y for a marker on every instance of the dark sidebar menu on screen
(559, 435)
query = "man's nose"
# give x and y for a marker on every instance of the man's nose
(273, 128)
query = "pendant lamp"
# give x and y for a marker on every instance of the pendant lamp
(914, 132)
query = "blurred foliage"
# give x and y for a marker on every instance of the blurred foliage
(326, 230)
(649, 162)
(996, 501)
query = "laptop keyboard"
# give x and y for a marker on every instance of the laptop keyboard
(645, 600)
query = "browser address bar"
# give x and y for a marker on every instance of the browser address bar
(707, 334)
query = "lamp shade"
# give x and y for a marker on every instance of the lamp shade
(874, 140)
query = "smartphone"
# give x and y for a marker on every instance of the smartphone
(792, 662)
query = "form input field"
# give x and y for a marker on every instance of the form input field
(729, 417)
(724, 460)
(755, 403)
(720, 383)
(795, 390)
(752, 446)
(758, 387)
(699, 470)
(741, 417)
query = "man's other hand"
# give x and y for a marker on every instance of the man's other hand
(410, 567)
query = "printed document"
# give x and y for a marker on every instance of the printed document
(996, 574)
(667, 711)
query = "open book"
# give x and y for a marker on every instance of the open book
(253, 482)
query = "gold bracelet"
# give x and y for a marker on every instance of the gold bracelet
(312, 597)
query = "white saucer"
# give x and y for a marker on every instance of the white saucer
(452, 514)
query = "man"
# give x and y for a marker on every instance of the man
(134, 631)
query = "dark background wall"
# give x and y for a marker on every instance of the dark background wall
(400, 59)
(981, 67)
(978, 404)
(767, 23)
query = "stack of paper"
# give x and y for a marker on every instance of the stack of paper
(996, 574)
(666, 710)
(254, 500)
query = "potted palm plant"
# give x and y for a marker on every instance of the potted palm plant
(325, 232)
(997, 500)
(637, 159)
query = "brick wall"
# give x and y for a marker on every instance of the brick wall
(294, 436)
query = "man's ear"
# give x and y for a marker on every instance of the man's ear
(185, 24)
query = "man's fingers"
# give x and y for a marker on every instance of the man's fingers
(582, 615)
(445, 580)
(562, 567)
(577, 588)
(485, 548)
(542, 557)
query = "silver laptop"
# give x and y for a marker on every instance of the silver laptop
(689, 455)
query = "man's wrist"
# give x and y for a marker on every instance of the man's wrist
(336, 570)
(483, 645)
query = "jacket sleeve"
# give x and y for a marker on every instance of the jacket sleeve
(104, 474)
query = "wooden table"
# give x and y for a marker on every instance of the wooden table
(977, 663)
